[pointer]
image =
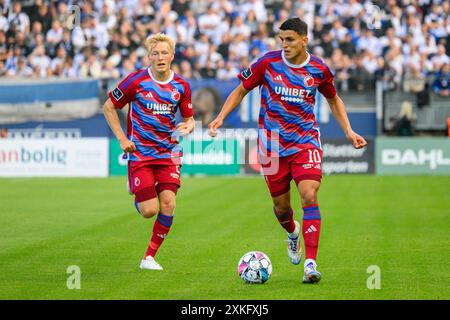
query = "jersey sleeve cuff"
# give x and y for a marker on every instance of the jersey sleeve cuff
(188, 114)
(116, 103)
(245, 84)
(330, 95)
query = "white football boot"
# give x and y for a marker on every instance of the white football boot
(311, 274)
(294, 247)
(149, 263)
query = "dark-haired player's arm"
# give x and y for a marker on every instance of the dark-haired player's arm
(110, 113)
(338, 109)
(233, 100)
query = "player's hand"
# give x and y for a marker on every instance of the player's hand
(356, 140)
(184, 128)
(213, 126)
(127, 145)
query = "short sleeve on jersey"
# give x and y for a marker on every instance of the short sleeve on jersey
(123, 93)
(326, 86)
(253, 77)
(186, 103)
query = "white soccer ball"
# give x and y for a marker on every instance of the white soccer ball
(255, 267)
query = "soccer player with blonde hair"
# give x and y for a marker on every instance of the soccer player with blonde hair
(154, 95)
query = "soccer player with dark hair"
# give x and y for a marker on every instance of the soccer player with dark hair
(288, 136)
(154, 95)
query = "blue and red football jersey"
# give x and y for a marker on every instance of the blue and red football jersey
(286, 119)
(151, 121)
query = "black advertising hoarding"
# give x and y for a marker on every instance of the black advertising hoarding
(339, 157)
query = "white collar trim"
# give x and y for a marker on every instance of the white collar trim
(160, 82)
(296, 66)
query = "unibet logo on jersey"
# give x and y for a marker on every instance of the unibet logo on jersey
(160, 108)
(292, 94)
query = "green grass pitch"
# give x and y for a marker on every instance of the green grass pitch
(400, 224)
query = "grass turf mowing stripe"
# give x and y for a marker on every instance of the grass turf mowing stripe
(400, 224)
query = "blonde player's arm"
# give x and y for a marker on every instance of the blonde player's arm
(233, 100)
(110, 113)
(187, 126)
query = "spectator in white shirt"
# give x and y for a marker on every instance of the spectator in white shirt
(40, 62)
(370, 62)
(22, 70)
(390, 39)
(223, 28)
(209, 22)
(81, 35)
(437, 29)
(239, 46)
(223, 7)
(18, 18)
(169, 27)
(369, 42)
(58, 61)
(191, 28)
(425, 65)
(339, 31)
(55, 34)
(395, 59)
(91, 68)
(412, 58)
(396, 20)
(13, 58)
(257, 6)
(308, 8)
(430, 46)
(227, 70)
(100, 33)
(239, 28)
(201, 46)
(106, 17)
(109, 71)
(440, 58)
(212, 55)
(436, 14)
(352, 9)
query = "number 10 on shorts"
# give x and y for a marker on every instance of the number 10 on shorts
(314, 156)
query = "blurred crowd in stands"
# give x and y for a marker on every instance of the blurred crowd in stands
(403, 43)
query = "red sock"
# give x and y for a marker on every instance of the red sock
(286, 220)
(311, 230)
(161, 228)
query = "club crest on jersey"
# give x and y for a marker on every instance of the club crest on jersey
(176, 95)
(117, 94)
(308, 80)
(246, 73)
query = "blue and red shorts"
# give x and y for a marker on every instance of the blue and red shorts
(147, 179)
(303, 165)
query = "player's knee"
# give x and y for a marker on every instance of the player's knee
(281, 205)
(167, 206)
(148, 211)
(309, 196)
